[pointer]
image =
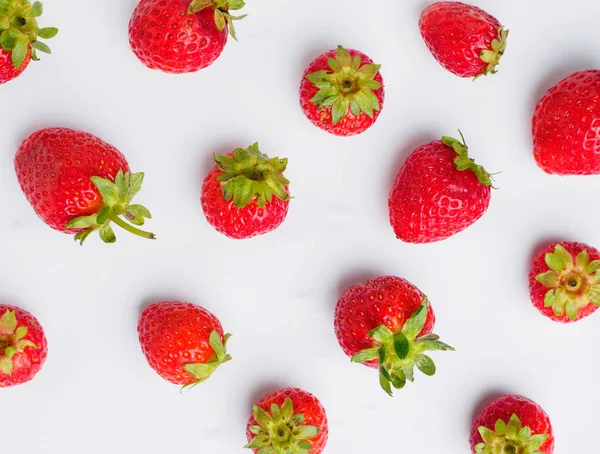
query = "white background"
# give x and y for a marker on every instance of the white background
(276, 293)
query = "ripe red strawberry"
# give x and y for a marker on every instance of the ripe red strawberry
(181, 36)
(564, 281)
(387, 323)
(23, 346)
(287, 421)
(438, 192)
(342, 92)
(566, 126)
(79, 184)
(20, 36)
(246, 194)
(182, 342)
(512, 424)
(464, 39)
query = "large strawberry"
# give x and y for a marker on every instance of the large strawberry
(342, 92)
(387, 323)
(438, 192)
(464, 39)
(20, 36)
(287, 421)
(79, 184)
(246, 194)
(512, 424)
(566, 126)
(181, 36)
(23, 346)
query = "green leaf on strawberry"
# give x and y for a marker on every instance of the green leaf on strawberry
(221, 12)
(463, 162)
(509, 438)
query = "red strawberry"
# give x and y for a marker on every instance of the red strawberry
(246, 194)
(182, 342)
(79, 184)
(23, 346)
(464, 39)
(342, 92)
(564, 281)
(287, 421)
(20, 36)
(512, 424)
(181, 36)
(438, 192)
(387, 323)
(566, 126)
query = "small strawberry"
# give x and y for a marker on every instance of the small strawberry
(564, 281)
(566, 126)
(182, 342)
(23, 346)
(181, 36)
(246, 194)
(387, 323)
(342, 92)
(79, 184)
(20, 36)
(287, 421)
(438, 192)
(464, 39)
(512, 424)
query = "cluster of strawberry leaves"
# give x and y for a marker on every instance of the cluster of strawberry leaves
(221, 7)
(510, 438)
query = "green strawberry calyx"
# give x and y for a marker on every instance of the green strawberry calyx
(463, 162)
(348, 87)
(221, 10)
(510, 438)
(492, 56)
(117, 208)
(573, 283)
(248, 175)
(19, 30)
(399, 353)
(202, 371)
(281, 431)
(11, 341)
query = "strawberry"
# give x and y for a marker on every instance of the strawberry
(182, 342)
(181, 36)
(512, 424)
(20, 36)
(287, 421)
(79, 184)
(566, 125)
(438, 192)
(564, 281)
(23, 346)
(246, 194)
(386, 324)
(464, 39)
(342, 92)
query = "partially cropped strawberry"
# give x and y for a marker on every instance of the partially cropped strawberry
(181, 36)
(20, 36)
(182, 342)
(342, 92)
(79, 184)
(512, 424)
(566, 126)
(387, 323)
(438, 192)
(23, 346)
(287, 421)
(246, 194)
(464, 39)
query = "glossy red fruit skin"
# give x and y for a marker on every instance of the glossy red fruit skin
(54, 167)
(29, 362)
(431, 200)
(164, 37)
(350, 125)
(566, 126)
(386, 300)
(456, 33)
(530, 414)
(304, 403)
(7, 70)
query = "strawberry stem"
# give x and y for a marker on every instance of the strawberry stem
(131, 229)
